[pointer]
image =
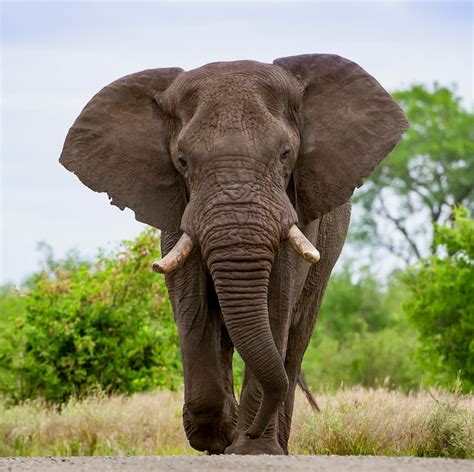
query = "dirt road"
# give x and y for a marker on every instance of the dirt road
(235, 463)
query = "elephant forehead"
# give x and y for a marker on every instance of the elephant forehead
(251, 70)
(249, 82)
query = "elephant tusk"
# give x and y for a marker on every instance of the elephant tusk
(176, 257)
(302, 245)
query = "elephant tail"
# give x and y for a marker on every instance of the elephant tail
(307, 393)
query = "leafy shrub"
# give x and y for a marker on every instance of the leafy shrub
(441, 304)
(107, 326)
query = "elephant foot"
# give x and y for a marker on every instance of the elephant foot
(211, 435)
(246, 446)
(212, 439)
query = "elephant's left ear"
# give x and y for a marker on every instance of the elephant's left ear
(348, 124)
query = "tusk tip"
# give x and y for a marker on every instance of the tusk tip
(303, 246)
(312, 256)
(176, 257)
(158, 267)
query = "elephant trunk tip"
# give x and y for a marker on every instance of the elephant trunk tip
(272, 398)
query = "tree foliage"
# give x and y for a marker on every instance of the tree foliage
(429, 172)
(441, 305)
(108, 325)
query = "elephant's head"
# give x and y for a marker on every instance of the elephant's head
(234, 155)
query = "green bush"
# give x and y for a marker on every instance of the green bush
(441, 304)
(106, 326)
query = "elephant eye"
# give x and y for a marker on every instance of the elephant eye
(182, 161)
(285, 153)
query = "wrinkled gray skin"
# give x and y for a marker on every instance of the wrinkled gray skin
(234, 154)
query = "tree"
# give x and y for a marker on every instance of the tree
(429, 173)
(441, 304)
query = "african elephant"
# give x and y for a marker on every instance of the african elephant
(239, 164)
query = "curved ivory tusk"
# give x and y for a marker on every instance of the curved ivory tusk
(176, 257)
(302, 245)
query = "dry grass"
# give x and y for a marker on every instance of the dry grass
(354, 421)
(382, 422)
(142, 424)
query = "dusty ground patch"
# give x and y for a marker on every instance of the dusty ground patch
(236, 463)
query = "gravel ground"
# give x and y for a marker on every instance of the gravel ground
(235, 463)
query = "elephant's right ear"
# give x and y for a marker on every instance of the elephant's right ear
(119, 145)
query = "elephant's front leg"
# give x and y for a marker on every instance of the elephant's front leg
(210, 408)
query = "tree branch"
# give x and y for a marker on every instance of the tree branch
(398, 222)
(458, 199)
(398, 253)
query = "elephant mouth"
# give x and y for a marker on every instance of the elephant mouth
(182, 249)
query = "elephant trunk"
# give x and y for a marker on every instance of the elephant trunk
(241, 274)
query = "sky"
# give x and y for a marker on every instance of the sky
(56, 55)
